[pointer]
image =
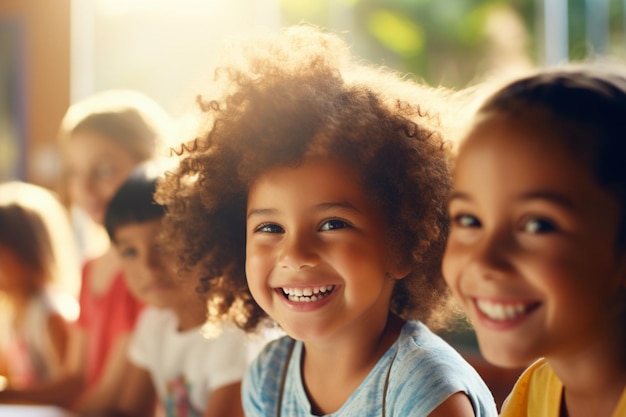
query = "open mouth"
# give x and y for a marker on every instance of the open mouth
(307, 294)
(504, 311)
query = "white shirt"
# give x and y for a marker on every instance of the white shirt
(186, 366)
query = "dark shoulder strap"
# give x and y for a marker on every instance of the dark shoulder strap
(387, 381)
(283, 378)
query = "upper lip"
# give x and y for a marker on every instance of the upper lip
(305, 290)
(504, 309)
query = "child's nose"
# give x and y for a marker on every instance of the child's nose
(491, 256)
(84, 183)
(298, 251)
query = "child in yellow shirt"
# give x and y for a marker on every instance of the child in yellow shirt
(537, 249)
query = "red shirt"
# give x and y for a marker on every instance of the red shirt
(104, 318)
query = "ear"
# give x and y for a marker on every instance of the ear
(399, 268)
(398, 261)
(399, 273)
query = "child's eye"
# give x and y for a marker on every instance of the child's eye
(334, 224)
(104, 171)
(538, 225)
(465, 220)
(128, 252)
(70, 173)
(269, 228)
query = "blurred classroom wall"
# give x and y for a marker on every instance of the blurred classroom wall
(34, 86)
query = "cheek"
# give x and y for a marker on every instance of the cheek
(106, 193)
(257, 276)
(12, 271)
(133, 285)
(449, 266)
(353, 256)
(74, 190)
(258, 266)
(110, 186)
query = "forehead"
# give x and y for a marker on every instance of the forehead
(536, 131)
(322, 175)
(511, 152)
(85, 147)
(144, 231)
(314, 185)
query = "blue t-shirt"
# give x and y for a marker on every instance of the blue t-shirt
(425, 372)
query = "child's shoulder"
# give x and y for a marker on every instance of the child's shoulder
(430, 369)
(277, 348)
(417, 338)
(537, 376)
(539, 371)
(272, 356)
(154, 316)
(538, 385)
(153, 321)
(422, 352)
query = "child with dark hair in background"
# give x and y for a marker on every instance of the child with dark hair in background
(102, 139)
(170, 358)
(316, 199)
(39, 278)
(537, 250)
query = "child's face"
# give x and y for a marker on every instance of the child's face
(314, 232)
(13, 271)
(147, 273)
(96, 167)
(532, 250)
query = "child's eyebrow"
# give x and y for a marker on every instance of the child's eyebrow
(318, 208)
(261, 212)
(458, 195)
(122, 241)
(550, 196)
(336, 204)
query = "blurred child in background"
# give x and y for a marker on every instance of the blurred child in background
(39, 278)
(537, 250)
(102, 138)
(169, 356)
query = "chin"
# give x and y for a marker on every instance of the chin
(97, 218)
(505, 358)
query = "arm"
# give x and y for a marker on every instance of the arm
(63, 390)
(4, 370)
(60, 392)
(457, 405)
(102, 396)
(225, 401)
(59, 339)
(138, 397)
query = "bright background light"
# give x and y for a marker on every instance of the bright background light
(164, 48)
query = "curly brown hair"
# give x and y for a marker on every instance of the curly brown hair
(296, 95)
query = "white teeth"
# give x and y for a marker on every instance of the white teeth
(307, 294)
(499, 311)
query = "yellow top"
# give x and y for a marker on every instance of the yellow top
(538, 392)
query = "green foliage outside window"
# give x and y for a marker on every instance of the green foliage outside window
(453, 42)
